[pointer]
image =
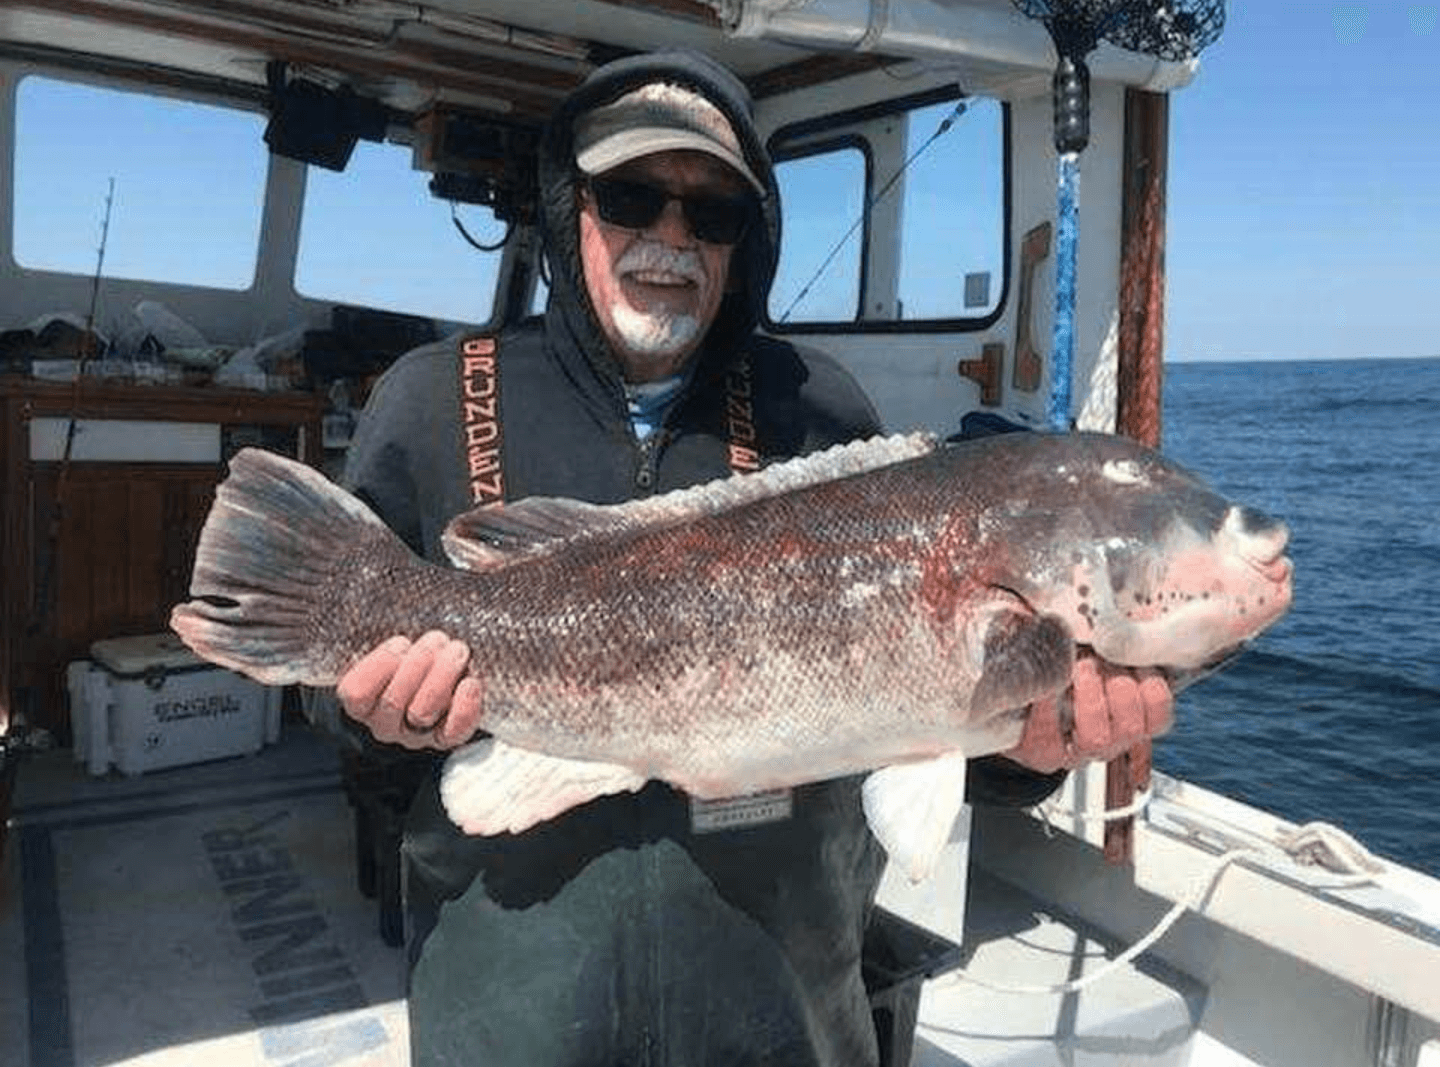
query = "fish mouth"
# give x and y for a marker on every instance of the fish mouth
(1277, 570)
(1259, 540)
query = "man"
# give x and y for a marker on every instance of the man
(621, 932)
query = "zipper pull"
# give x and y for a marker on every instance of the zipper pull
(649, 454)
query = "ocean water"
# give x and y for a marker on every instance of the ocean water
(1334, 713)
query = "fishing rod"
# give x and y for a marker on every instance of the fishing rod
(88, 348)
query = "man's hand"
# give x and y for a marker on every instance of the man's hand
(414, 694)
(1114, 709)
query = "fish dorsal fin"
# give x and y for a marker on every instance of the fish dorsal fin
(494, 535)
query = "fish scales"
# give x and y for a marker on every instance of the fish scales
(882, 603)
(635, 646)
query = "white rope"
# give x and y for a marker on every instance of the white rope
(1320, 844)
(1316, 843)
(1051, 811)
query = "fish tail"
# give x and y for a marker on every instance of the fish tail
(264, 582)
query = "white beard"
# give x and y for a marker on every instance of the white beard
(654, 334)
(657, 334)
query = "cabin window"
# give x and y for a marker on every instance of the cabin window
(952, 233)
(189, 184)
(822, 199)
(894, 219)
(373, 235)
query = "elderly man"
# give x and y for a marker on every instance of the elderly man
(625, 931)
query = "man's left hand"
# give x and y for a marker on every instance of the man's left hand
(1114, 708)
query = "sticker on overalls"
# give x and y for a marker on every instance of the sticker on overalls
(733, 813)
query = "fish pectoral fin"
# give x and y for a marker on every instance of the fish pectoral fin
(489, 787)
(911, 808)
(1022, 656)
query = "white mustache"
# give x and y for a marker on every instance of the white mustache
(658, 256)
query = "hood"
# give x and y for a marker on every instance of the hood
(753, 265)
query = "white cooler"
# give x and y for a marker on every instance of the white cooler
(141, 703)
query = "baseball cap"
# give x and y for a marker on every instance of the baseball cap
(657, 117)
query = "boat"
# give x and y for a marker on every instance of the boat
(244, 909)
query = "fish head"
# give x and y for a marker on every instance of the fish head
(1144, 561)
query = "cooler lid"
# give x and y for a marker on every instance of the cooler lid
(137, 655)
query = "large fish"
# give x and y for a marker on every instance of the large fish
(890, 606)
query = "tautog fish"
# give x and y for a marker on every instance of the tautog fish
(889, 606)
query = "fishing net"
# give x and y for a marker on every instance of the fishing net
(1162, 28)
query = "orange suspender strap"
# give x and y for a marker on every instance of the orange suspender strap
(480, 419)
(744, 450)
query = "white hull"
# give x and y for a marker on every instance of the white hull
(1275, 967)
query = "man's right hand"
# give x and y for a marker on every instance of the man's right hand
(415, 694)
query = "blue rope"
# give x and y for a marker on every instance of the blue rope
(1057, 411)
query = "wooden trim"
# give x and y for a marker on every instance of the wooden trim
(817, 70)
(1029, 369)
(987, 372)
(96, 399)
(533, 88)
(12, 522)
(1142, 267)
(1141, 361)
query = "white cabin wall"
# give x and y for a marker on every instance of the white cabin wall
(273, 303)
(913, 377)
(887, 225)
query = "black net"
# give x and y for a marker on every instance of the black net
(1168, 29)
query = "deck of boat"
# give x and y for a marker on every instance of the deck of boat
(206, 914)
(212, 915)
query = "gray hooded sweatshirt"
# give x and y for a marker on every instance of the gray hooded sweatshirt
(617, 933)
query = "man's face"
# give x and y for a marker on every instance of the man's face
(656, 288)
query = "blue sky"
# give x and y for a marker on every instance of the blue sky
(1304, 195)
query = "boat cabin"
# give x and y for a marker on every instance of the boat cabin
(220, 222)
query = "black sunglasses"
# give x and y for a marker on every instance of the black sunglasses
(716, 220)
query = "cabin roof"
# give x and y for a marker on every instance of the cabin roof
(515, 59)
